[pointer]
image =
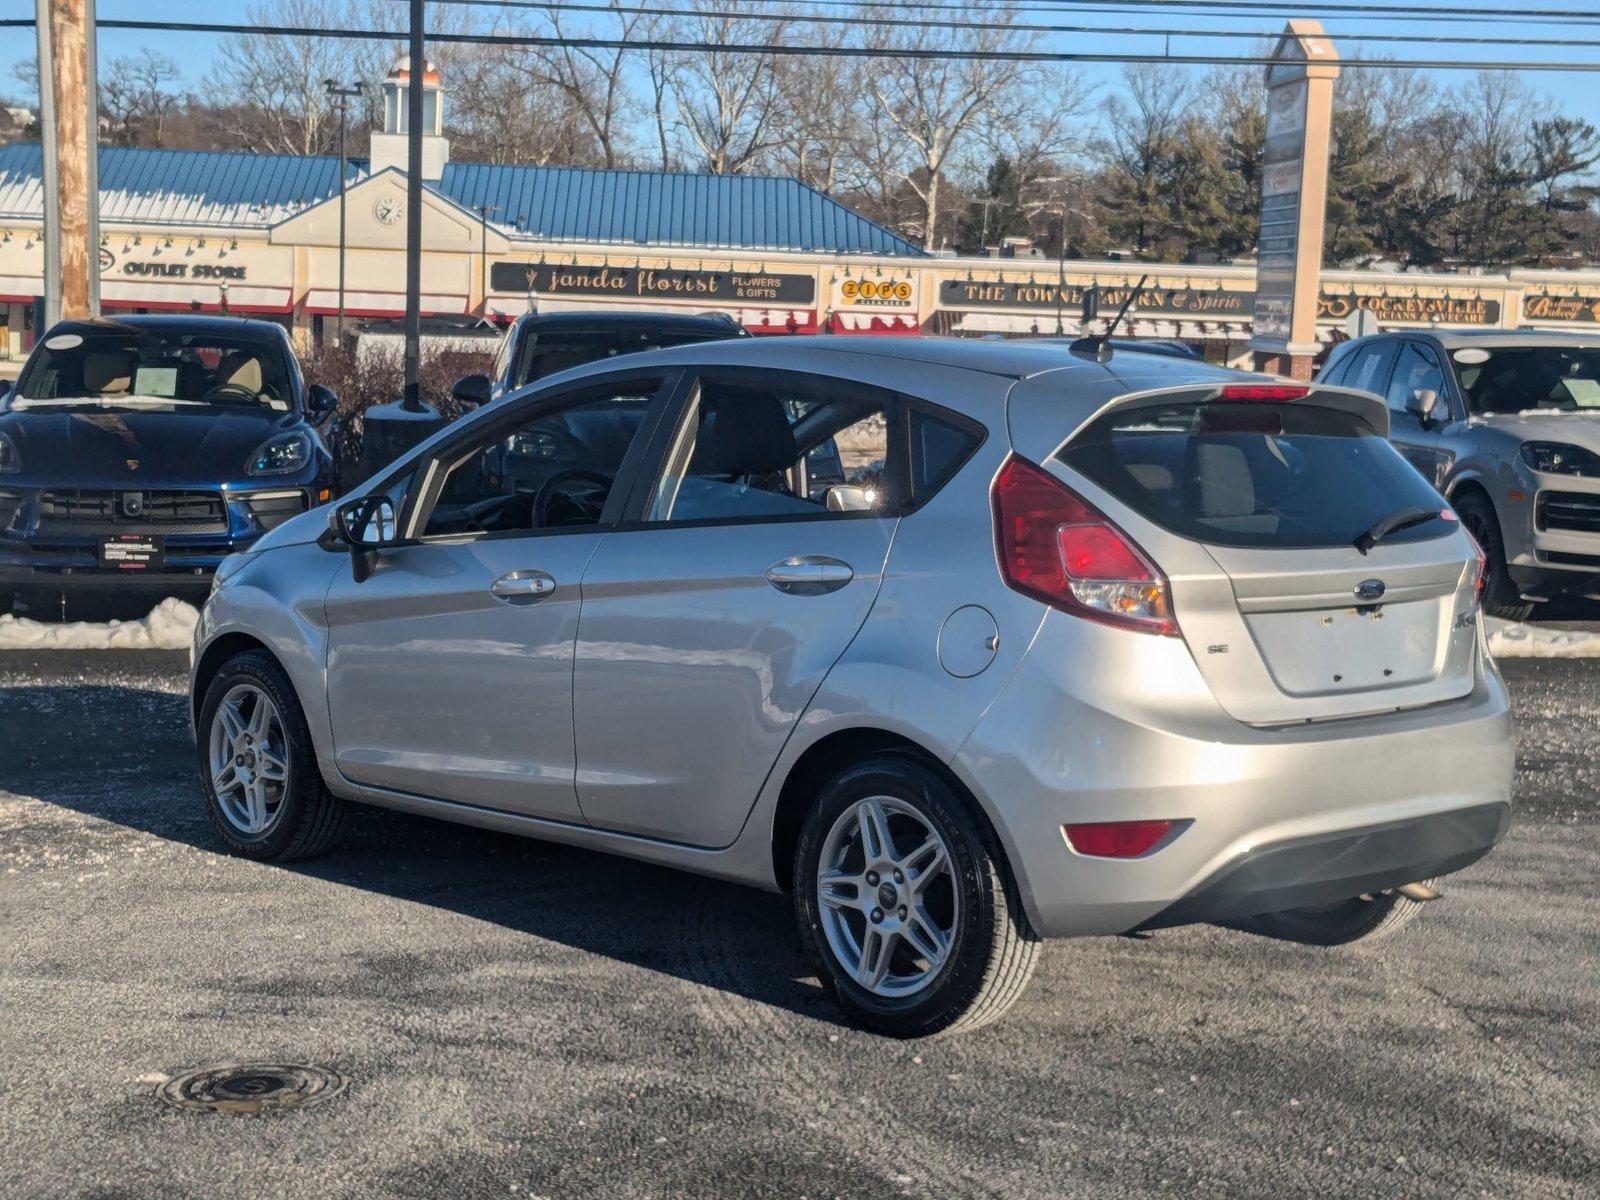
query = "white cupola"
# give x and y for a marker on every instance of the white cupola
(389, 146)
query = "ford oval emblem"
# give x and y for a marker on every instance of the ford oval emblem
(1370, 589)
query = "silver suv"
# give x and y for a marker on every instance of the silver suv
(1073, 643)
(1507, 425)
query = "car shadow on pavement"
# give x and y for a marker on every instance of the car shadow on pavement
(704, 931)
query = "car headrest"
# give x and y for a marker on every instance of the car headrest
(744, 435)
(1223, 475)
(108, 372)
(240, 369)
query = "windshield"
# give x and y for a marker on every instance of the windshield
(544, 354)
(1516, 379)
(1253, 474)
(162, 369)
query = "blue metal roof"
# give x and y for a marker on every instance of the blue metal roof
(659, 208)
(181, 187)
(628, 208)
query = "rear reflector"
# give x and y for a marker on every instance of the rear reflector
(1264, 391)
(1055, 546)
(1116, 839)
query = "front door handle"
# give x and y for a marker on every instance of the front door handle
(809, 575)
(522, 587)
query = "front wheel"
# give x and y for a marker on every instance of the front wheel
(258, 771)
(907, 908)
(1501, 596)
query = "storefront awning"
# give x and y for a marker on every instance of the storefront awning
(870, 322)
(1025, 324)
(209, 297)
(381, 304)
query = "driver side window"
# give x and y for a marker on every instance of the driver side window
(552, 469)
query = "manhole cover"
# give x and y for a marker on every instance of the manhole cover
(251, 1087)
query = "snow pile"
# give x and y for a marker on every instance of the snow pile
(1508, 639)
(170, 626)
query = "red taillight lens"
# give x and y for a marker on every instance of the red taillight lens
(1481, 579)
(1055, 546)
(1263, 391)
(1116, 839)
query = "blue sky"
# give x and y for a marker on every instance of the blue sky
(1573, 93)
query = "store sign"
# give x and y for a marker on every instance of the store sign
(156, 269)
(1539, 306)
(1419, 310)
(1211, 303)
(873, 292)
(653, 283)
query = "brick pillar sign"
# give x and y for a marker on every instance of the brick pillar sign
(1294, 199)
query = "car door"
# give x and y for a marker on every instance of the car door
(1417, 369)
(711, 617)
(450, 665)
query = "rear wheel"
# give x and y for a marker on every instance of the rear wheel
(258, 771)
(1359, 919)
(908, 910)
(1501, 596)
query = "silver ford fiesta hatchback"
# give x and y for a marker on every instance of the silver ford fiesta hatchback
(964, 644)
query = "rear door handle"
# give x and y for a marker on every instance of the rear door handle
(523, 587)
(809, 575)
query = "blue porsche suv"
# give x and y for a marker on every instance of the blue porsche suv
(137, 453)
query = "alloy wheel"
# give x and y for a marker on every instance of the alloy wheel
(886, 895)
(249, 759)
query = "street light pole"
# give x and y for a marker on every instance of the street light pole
(483, 211)
(412, 399)
(342, 94)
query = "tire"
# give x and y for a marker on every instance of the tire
(1360, 919)
(988, 949)
(299, 817)
(1501, 596)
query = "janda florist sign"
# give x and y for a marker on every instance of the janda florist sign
(653, 283)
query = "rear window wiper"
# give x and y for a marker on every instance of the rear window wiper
(1404, 518)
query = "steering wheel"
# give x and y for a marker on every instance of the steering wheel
(585, 506)
(224, 392)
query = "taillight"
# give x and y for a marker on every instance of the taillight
(1055, 546)
(1116, 839)
(1481, 579)
(1263, 391)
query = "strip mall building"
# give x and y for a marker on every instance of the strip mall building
(259, 235)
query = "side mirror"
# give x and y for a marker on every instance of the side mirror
(321, 399)
(365, 524)
(848, 497)
(471, 391)
(5, 388)
(1421, 404)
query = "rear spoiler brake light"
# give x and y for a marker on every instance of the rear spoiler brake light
(1270, 392)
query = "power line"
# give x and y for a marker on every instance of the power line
(913, 53)
(1332, 11)
(600, 8)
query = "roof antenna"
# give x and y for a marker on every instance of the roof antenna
(1099, 348)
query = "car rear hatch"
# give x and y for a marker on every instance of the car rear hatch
(1253, 500)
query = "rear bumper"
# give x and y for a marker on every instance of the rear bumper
(1326, 868)
(1094, 730)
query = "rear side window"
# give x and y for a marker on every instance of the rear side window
(1253, 474)
(938, 448)
(1368, 369)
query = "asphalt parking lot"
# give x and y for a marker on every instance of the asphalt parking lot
(522, 1019)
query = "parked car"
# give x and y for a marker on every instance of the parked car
(1506, 423)
(1111, 646)
(541, 344)
(137, 453)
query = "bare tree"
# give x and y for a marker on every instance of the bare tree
(817, 128)
(935, 106)
(137, 94)
(724, 104)
(592, 80)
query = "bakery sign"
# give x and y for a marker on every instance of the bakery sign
(653, 283)
(869, 291)
(1543, 306)
(1206, 303)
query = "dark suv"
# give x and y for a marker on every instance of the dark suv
(538, 345)
(1505, 423)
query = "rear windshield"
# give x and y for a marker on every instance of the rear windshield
(544, 354)
(1254, 474)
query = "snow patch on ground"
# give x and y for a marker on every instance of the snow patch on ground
(170, 626)
(1509, 639)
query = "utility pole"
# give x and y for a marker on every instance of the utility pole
(483, 211)
(68, 114)
(342, 94)
(412, 398)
